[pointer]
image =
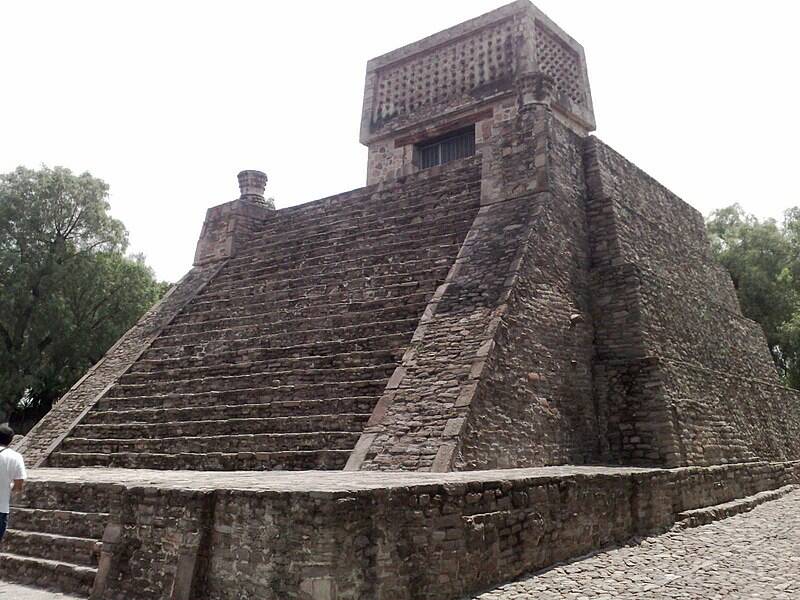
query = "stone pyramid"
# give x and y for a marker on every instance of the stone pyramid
(507, 291)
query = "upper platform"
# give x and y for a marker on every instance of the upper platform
(472, 65)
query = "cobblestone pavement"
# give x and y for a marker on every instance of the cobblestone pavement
(10, 591)
(752, 556)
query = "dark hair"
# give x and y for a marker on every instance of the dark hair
(6, 434)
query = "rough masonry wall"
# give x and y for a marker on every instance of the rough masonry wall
(534, 405)
(726, 417)
(68, 411)
(682, 377)
(377, 536)
(419, 420)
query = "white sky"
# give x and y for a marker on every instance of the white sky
(166, 101)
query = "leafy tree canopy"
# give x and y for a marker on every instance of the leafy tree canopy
(67, 290)
(763, 258)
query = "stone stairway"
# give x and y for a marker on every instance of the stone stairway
(53, 539)
(279, 361)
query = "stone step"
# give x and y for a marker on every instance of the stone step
(339, 211)
(342, 389)
(215, 427)
(268, 379)
(66, 496)
(331, 283)
(297, 308)
(211, 365)
(333, 241)
(265, 325)
(361, 291)
(62, 522)
(259, 442)
(50, 574)
(440, 231)
(708, 514)
(252, 349)
(213, 461)
(280, 408)
(360, 217)
(75, 550)
(253, 335)
(421, 225)
(383, 262)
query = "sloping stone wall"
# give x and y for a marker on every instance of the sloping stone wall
(681, 376)
(534, 405)
(724, 416)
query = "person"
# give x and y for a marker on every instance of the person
(12, 474)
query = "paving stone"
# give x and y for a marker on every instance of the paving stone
(755, 555)
(12, 591)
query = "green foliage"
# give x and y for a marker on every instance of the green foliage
(763, 258)
(67, 291)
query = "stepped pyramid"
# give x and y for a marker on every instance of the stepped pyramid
(507, 291)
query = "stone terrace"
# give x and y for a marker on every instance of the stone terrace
(399, 536)
(656, 567)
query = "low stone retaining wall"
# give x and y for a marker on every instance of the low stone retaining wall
(338, 535)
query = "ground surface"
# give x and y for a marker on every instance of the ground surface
(308, 481)
(752, 556)
(10, 591)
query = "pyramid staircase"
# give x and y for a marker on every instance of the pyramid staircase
(279, 361)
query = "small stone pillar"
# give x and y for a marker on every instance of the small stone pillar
(229, 225)
(252, 185)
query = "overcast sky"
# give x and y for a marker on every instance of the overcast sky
(166, 101)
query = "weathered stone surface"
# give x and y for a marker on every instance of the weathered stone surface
(540, 303)
(370, 535)
(14, 591)
(680, 376)
(748, 557)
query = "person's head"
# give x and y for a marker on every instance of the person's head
(6, 434)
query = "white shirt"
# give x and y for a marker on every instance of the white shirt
(11, 467)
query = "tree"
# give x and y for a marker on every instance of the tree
(67, 291)
(763, 259)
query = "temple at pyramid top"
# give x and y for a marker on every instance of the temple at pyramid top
(449, 81)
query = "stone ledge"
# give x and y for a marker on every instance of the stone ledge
(704, 516)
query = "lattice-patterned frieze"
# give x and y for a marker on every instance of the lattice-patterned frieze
(450, 71)
(561, 63)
